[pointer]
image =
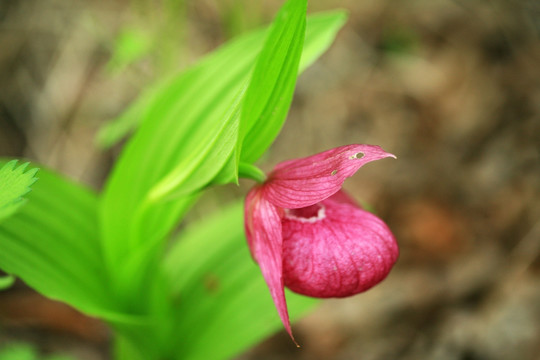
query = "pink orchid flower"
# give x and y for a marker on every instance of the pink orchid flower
(309, 235)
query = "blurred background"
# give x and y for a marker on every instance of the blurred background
(451, 87)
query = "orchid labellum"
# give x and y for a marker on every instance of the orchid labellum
(309, 235)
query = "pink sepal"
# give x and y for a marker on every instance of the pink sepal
(263, 232)
(307, 181)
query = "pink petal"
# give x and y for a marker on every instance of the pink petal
(341, 251)
(303, 182)
(263, 232)
(342, 197)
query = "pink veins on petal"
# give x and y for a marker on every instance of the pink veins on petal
(345, 251)
(307, 234)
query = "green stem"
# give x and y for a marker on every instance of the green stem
(249, 171)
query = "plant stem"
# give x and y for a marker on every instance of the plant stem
(249, 171)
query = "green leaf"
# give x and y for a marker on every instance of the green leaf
(129, 120)
(271, 87)
(223, 72)
(204, 161)
(185, 139)
(15, 182)
(187, 126)
(262, 119)
(214, 278)
(320, 32)
(52, 244)
(6, 281)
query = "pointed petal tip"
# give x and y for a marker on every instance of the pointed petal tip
(303, 182)
(386, 154)
(289, 331)
(264, 237)
(372, 151)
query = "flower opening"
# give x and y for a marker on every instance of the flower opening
(309, 214)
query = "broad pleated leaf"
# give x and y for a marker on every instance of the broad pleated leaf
(185, 139)
(321, 30)
(15, 182)
(52, 244)
(272, 82)
(185, 125)
(214, 278)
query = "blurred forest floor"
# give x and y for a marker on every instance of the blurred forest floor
(451, 87)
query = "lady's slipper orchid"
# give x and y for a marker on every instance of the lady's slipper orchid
(307, 234)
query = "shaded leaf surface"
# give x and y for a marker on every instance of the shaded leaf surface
(213, 276)
(52, 244)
